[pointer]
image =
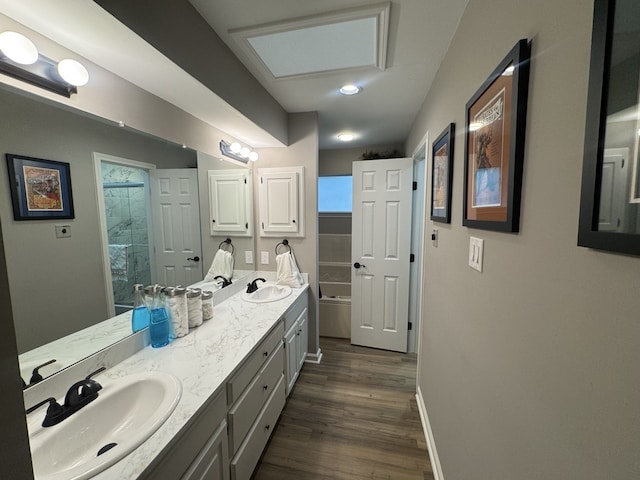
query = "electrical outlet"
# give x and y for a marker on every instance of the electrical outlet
(248, 256)
(264, 258)
(476, 250)
(63, 231)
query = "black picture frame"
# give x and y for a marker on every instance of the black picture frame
(442, 175)
(589, 234)
(40, 189)
(499, 107)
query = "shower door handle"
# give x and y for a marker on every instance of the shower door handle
(194, 259)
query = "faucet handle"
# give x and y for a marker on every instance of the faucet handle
(54, 407)
(93, 374)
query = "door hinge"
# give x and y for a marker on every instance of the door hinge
(263, 225)
(415, 185)
(246, 226)
(410, 326)
(412, 258)
(261, 180)
(245, 181)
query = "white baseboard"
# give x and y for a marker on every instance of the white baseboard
(314, 357)
(428, 435)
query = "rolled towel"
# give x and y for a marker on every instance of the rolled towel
(287, 271)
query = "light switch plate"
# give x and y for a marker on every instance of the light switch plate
(248, 256)
(63, 231)
(476, 250)
(264, 258)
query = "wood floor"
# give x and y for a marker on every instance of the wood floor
(354, 416)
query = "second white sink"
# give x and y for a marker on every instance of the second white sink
(125, 414)
(267, 293)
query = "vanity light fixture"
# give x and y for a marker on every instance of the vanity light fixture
(346, 137)
(19, 58)
(350, 89)
(238, 152)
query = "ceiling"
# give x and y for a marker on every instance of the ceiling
(419, 34)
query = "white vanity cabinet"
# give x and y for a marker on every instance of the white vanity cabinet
(201, 452)
(281, 201)
(230, 203)
(296, 340)
(256, 396)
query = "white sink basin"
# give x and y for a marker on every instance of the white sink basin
(267, 293)
(127, 412)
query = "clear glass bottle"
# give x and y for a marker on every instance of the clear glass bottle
(160, 323)
(194, 307)
(140, 315)
(207, 305)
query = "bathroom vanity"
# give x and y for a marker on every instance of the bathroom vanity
(235, 370)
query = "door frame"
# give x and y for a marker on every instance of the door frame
(98, 158)
(424, 143)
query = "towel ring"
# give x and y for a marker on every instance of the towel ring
(227, 242)
(285, 243)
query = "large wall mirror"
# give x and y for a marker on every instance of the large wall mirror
(610, 199)
(58, 286)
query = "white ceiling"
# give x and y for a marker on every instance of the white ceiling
(419, 35)
(420, 32)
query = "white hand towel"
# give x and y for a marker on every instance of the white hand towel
(287, 270)
(219, 266)
(228, 265)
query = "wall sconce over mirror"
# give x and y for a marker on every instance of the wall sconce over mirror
(610, 198)
(238, 152)
(19, 58)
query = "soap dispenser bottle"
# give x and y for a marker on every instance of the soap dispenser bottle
(159, 324)
(141, 314)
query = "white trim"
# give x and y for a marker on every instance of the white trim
(98, 158)
(314, 357)
(428, 435)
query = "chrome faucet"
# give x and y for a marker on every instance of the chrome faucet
(253, 286)
(79, 395)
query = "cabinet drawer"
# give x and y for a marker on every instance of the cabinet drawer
(249, 453)
(246, 409)
(253, 364)
(212, 463)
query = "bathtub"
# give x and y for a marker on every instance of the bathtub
(335, 309)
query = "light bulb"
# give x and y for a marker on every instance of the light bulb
(253, 156)
(18, 48)
(244, 153)
(235, 147)
(73, 72)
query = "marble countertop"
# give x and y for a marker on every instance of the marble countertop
(204, 361)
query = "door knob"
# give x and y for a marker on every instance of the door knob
(194, 259)
(358, 265)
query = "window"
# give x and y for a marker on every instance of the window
(334, 194)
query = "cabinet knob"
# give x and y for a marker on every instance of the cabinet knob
(213, 221)
(266, 354)
(267, 427)
(293, 221)
(265, 387)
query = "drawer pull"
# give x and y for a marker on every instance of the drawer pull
(265, 387)
(266, 354)
(267, 427)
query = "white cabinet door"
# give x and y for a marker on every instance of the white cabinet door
(303, 334)
(229, 202)
(281, 201)
(291, 340)
(212, 463)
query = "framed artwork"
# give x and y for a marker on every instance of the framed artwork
(40, 189)
(494, 145)
(442, 175)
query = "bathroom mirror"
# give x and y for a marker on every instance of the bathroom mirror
(57, 284)
(610, 198)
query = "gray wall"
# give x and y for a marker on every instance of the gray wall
(338, 161)
(530, 369)
(57, 285)
(302, 151)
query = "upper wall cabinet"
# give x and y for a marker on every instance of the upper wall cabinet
(610, 199)
(230, 203)
(281, 201)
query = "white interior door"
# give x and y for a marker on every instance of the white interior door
(613, 190)
(381, 239)
(176, 226)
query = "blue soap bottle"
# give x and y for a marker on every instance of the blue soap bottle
(160, 323)
(140, 315)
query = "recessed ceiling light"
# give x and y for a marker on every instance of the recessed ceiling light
(346, 137)
(349, 89)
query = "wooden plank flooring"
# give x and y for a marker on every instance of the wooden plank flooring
(354, 416)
